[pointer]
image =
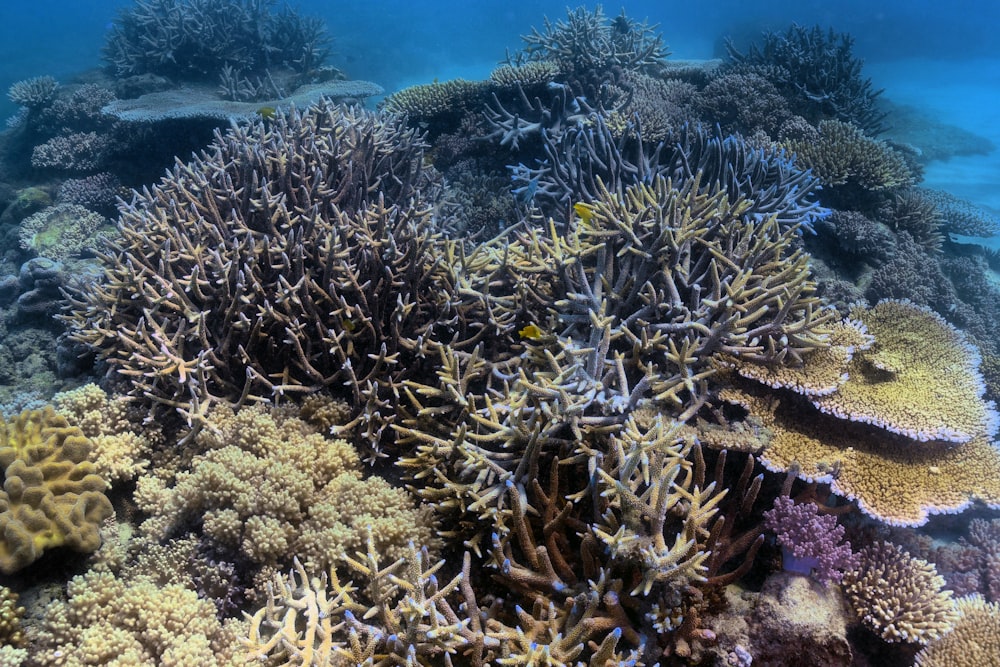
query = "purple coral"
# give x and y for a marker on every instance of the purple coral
(812, 543)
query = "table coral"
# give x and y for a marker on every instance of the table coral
(52, 495)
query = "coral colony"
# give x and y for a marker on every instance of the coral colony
(603, 360)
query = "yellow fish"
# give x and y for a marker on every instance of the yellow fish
(267, 112)
(531, 332)
(585, 211)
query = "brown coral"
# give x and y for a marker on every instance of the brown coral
(975, 641)
(900, 597)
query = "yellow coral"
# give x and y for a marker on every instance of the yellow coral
(430, 99)
(919, 379)
(890, 477)
(109, 621)
(52, 495)
(10, 618)
(900, 597)
(975, 641)
(843, 154)
(121, 447)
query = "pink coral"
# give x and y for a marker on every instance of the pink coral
(810, 540)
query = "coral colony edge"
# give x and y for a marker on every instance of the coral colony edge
(607, 359)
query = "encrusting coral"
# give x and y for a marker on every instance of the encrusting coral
(62, 231)
(51, 496)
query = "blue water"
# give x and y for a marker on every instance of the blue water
(941, 57)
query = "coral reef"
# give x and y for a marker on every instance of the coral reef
(195, 39)
(899, 597)
(52, 495)
(818, 73)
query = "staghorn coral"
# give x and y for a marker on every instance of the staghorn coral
(844, 156)
(63, 231)
(648, 266)
(899, 597)
(974, 641)
(107, 620)
(297, 254)
(817, 71)
(588, 41)
(195, 39)
(767, 178)
(52, 495)
(400, 613)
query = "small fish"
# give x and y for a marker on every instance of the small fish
(531, 332)
(267, 113)
(348, 324)
(585, 211)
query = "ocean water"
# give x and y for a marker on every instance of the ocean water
(943, 58)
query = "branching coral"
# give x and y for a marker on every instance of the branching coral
(844, 155)
(106, 620)
(195, 39)
(268, 485)
(587, 41)
(818, 72)
(811, 539)
(33, 93)
(900, 597)
(296, 254)
(768, 179)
